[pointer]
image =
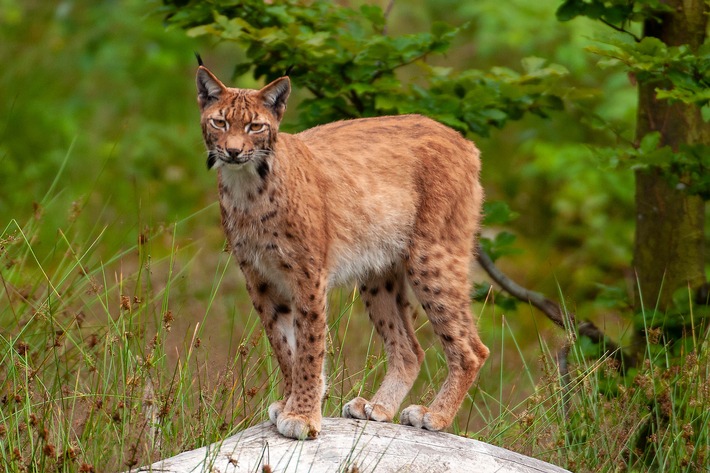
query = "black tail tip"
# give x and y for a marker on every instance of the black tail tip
(199, 59)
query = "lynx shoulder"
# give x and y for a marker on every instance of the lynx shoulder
(384, 203)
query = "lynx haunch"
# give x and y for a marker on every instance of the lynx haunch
(386, 203)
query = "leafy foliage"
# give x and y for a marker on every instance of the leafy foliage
(352, 67)
(680, 74)
(77, 95)
(683, 76)
(685, 73)
(613, 12)
(687, 168)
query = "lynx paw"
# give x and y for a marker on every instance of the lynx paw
(297, 426)
(361, 408)
(275, 410)
(422, 418)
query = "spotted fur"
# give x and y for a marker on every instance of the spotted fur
(387, 203)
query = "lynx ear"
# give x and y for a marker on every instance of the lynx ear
(275, 95)
(209, 88)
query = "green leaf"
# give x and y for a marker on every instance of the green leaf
(374, 15)
(444, 30)
(651, 46)
(201, 30)
(317, 40)
(552, 102)
(533, 64)
(594, 10)
(617, 14)
(497, 212)
(587, 347)
(494, 114)
(611, 296)
(451, 120)
(608, 62)
(661, 157)
(569, 10)
(241, 69)
(705, 112)
(499, 246)
(505, 239)
(650, 142)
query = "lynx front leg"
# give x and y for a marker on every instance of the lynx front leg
(390, 312)
(275, 313)
(301, 416)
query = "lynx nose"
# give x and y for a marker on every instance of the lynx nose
(233, 152)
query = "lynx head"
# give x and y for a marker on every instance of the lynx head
(239, 125)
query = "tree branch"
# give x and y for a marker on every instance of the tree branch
(357, 103)
(551, 309)
(560, 317)
(620, 29)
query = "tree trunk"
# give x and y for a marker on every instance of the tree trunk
(669, 250)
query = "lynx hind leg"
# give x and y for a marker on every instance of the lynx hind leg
(390, 312)
(277, 319)
(439, 278)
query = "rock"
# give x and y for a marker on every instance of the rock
(351, 446)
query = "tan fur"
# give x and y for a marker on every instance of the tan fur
(384, 202)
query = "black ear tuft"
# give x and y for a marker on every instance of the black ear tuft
(275, 95)
(199, 59)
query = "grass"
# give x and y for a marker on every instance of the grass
(111, 359)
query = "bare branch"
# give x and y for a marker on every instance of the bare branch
(561, 318)
(548, 307)
(620, 29)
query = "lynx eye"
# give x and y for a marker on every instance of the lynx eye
(218, 123)
(256, 127)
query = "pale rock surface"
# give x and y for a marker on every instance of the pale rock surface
(351, 446)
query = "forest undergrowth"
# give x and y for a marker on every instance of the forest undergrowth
(111, 362)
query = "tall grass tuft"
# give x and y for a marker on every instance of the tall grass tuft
(87, 380)
(652, 417)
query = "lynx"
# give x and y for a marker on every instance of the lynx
(384, 203)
